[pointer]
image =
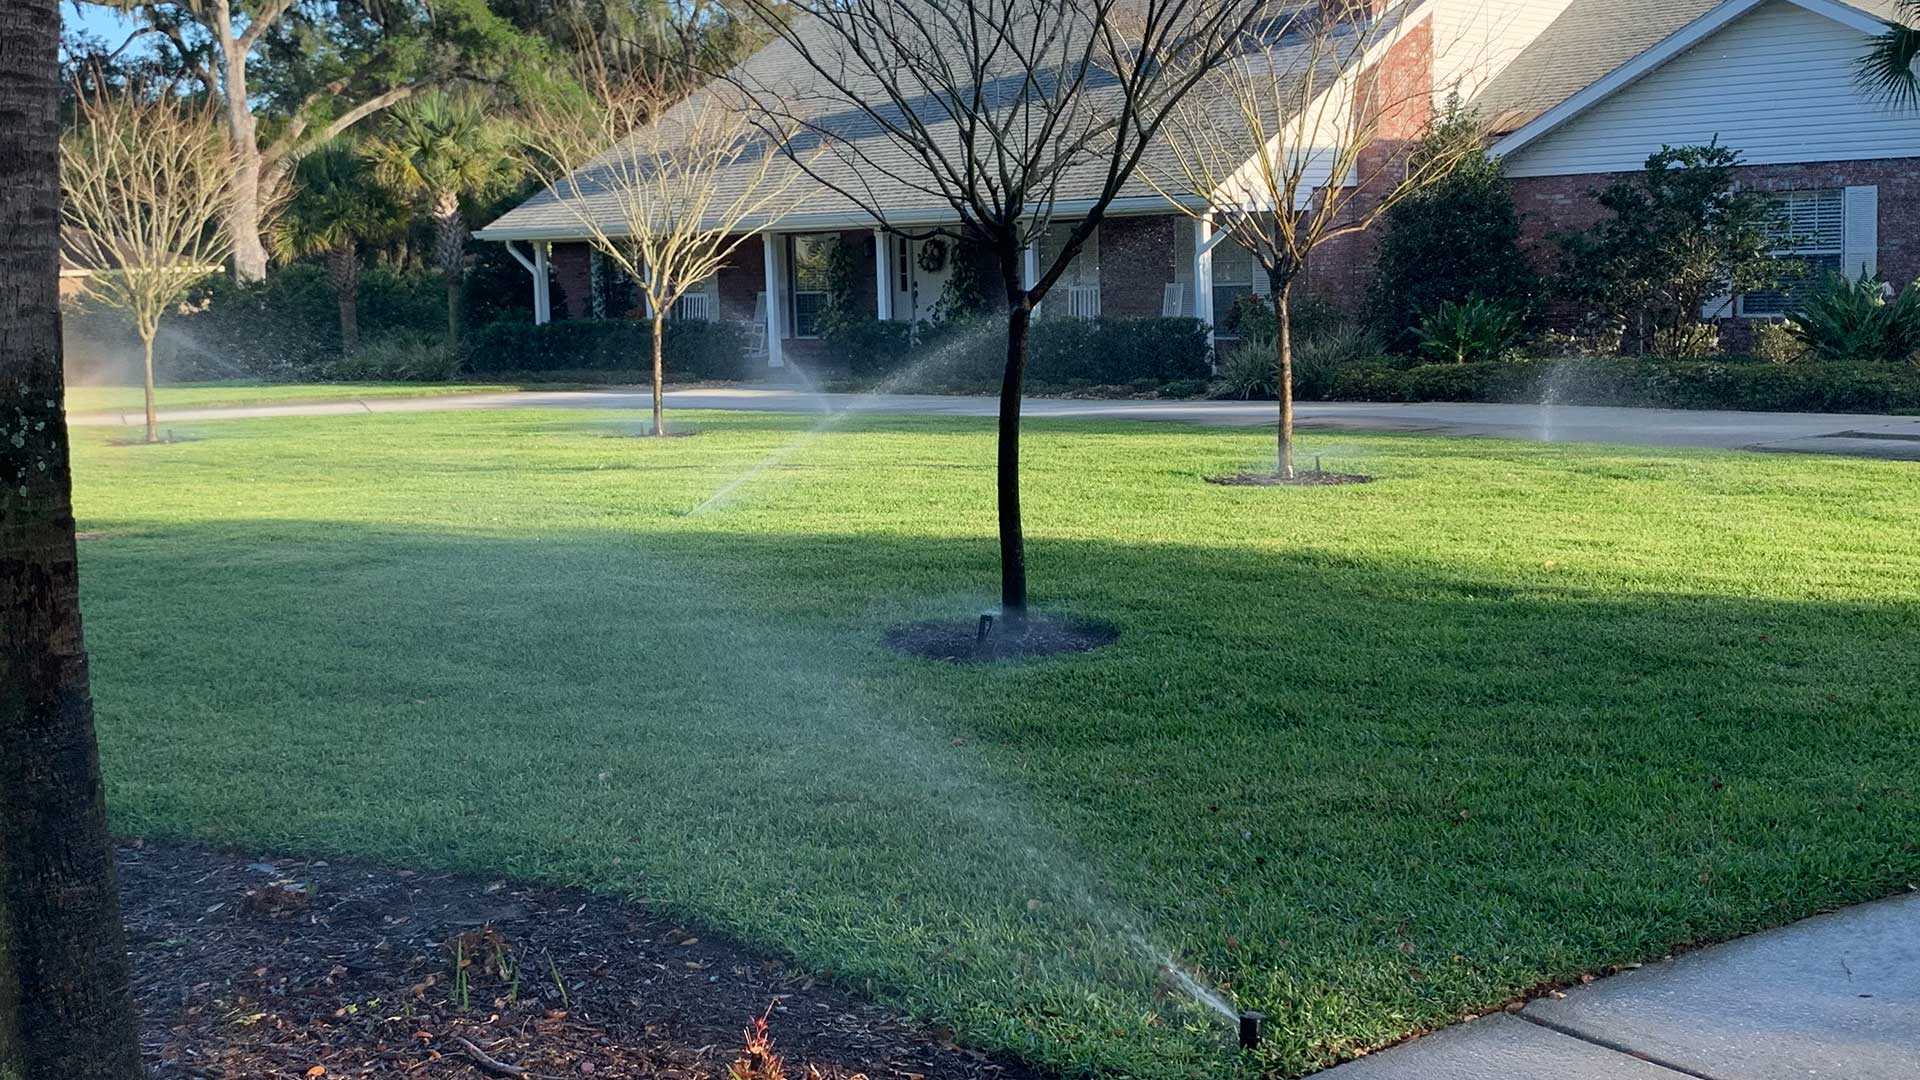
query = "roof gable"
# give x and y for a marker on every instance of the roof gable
(1865, 16)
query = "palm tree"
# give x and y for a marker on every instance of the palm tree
(439, 149)
(337, 205)
(64, 1008)
(1887, 69)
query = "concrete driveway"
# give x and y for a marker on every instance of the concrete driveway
(1895, 437)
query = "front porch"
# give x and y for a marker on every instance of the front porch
(779, 284)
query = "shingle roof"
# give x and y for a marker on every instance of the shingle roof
(864, 160)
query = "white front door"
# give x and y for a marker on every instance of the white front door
(915, 288)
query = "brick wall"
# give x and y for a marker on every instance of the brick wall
(1554, 205)
(1341, 270)
(742, 279)
(573, 272)
(1136, 264)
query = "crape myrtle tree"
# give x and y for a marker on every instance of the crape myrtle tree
(1011, 116)
(289, 74)
(1311, 140)
(664, 190)
(64, 1006)
(146, 186)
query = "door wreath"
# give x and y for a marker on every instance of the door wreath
(933, 255)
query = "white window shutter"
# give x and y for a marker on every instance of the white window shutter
(1863, 231)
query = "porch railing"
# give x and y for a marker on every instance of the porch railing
(1083, 301)
(695, 306)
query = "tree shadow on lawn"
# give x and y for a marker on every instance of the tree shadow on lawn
(1366, 795)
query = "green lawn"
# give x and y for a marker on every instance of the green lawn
(1371, 757)
(92, 399)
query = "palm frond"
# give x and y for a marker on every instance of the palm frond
(1886, 70)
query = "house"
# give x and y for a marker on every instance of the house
(1579, 91)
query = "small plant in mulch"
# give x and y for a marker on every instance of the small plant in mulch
(988, 638)
(759, 1061)
(483, 954)
(279, 898)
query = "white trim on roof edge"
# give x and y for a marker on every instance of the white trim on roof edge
(1133, 205)
(1676, 43)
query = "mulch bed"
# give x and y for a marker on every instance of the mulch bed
(253, 968)
(1309, 478)
(961, 641)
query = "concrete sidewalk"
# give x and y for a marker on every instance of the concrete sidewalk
(1835, 997)
(1832, 433)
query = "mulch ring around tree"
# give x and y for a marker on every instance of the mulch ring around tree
(1303, 478)
(247, 968)
(970, 642)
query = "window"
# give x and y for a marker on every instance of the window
(1810, 229)
(1233, 276)
(807, 279)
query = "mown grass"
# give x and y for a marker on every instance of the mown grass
(1370, 757)
(96, 399)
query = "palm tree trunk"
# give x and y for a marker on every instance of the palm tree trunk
(450, 241)
(146, 349)
(343, 272)
(659, 369)
(64, 1006)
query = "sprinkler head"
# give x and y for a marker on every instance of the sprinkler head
(986, 627)
(1250, 1029)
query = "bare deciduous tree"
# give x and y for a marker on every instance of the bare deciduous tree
(665, 191)
(64, 1007)
(146, 184)
(1304, 143)
(1010, 116)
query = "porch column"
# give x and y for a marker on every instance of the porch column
(1030, 266)
(542, 286)
(770, 251)
(1203, 243)
(882, 275)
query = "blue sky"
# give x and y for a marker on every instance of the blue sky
(106, 23)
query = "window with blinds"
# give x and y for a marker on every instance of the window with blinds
(1810, 231)
(1079, 286)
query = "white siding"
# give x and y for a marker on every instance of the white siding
(1776, 84)
(1475, 40)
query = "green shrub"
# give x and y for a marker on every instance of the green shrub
(399, 357)
(1319, 358)
(697, 350)
(1777, 343)
(1247, 370)
(1800, 387)
(1455, 239)
(1310, 314)
(1852, 321)
(1116, 352)
(1469, 332)
(866, 346)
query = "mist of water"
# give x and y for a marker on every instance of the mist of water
(907, 376)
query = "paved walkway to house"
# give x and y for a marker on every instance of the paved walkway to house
(1832, 433)
(1835, 997)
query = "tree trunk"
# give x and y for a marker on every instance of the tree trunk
(343, 273)
(659, 369)
(64, 1007)
(146, 349)
(1013, 547)
(450, 240)
(244, 209)
(1283, 383)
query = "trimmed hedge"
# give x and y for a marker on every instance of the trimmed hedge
(970, 354)
(696, 350)
(1745, 385)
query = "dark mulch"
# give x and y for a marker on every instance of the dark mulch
(961, 642)
(245, 968)
(1308, 478)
